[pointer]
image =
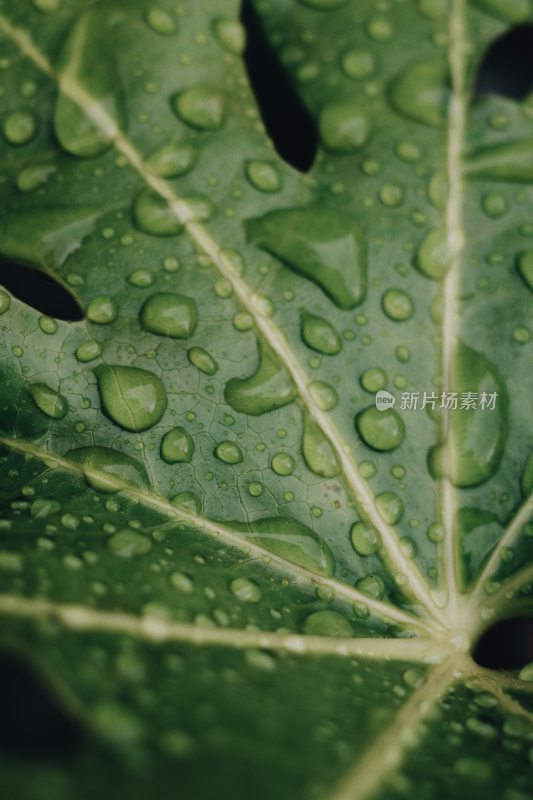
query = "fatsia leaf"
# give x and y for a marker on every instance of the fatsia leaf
(235, 557)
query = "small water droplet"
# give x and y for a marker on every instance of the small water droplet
(323, 5)
(88, 351)
(433, 256)
(46, 6)
(102, 310)
(188, 502)
(391, 195)
(177, 446)
(269, 388)
(421, 93)
(327, 623)
(373, 379)
(48, 400)
(494, 204)
(397, 305)
(229, 452)
(129, 543)
(372, 586)
(324, 395)
(380, 430)
(34, 176)
(172, 160)
(264, 176)
(20, 127)
(201, 359)
(161, 22)
(169, 314)
(390, 507)
(380, 29)
(343, 127)
(320, 335)
(318, 451)
(202, 107)
(132, 397)
(44, 507)
(231, 35)
(283, 464)
(48, 325)
(358, 64)
(153, 215)
(5, 302)
(245, 590)
(525, 268)
(366, 540)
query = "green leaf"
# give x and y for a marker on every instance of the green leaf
(229, 560)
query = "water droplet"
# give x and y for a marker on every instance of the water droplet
(494, 204)
(507, 10)
(510, 161)
(283, 464)
(381, 430)
(229, 453)
(46, 6)
(521, 334)
(414, 677)
(372, 586)
(33, 176)
(201, 107)
(172, 160)
(390, 507)
(132, 397)
(161, 22)
(264, 176)
(324, 395)
(201, 359)
(231, 35)
(256, 489)
(48, 325)
(291, 540)
(408, 152)
(358, 64)
(391, 195)
(243, 321)
(318, 451)
(365, 539)
(373, 379)
(169, 314)
(525, 267)
(188, 502)
(245, 590)
(269, 388)
(107, 470)
(48, 400)
(320, 335)
(526, 673)
(343, 127)
(102, 310)
(20, 127)
(87, 65)
(88, 351)
(128, 543)
(177, 446)
(140, 278)
(476, 439)
(322, 5)
(44, 507)
(327, 623)
(5, 302)
(421, 93)
(436, 533)
(433, 256)
(324, 246)
(155, 216)
(380, 29)
(397, 305)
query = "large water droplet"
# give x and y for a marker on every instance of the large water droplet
(322, 245)
(421, 92)
(525, 267)
(188, 502)
(381, 430)
(107, 470)
(390, 507)
(433, 256)
(201, 107)
(172, 160)
(291, 540)
(320, 335)
(318, 452)
(476, 438)
(508, 10)
(177, 446)
(510, 161)
(48, 400)
(365, 539)
(129, 543)
(102, 310)
(245, 590)
(169, 314)
(324, 395)
(343, 127)
(270, 387)
(152, 214)
(372, 586)
(327, 623)
(87, 126)
(132, 397)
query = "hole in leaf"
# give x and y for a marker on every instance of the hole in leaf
(40, 291)
(288, 122)
(506, 645)
(507, 68)
(34, 725)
